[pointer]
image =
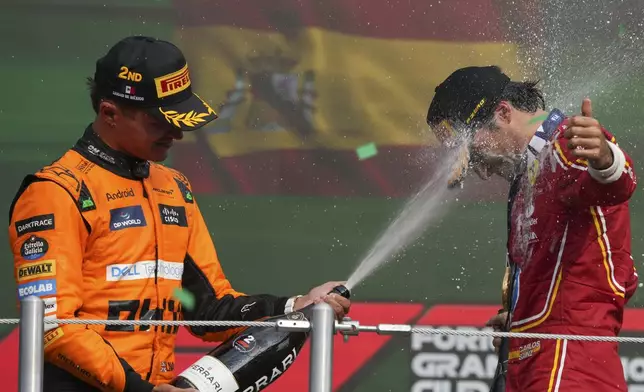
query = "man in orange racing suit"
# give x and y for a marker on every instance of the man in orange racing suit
(105, 233)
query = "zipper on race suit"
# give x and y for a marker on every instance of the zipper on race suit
(159, 312)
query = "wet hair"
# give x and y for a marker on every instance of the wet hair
(524, 96)
(96, 97)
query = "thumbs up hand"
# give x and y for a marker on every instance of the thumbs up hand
(586, 139)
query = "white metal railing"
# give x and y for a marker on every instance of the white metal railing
(322, 327)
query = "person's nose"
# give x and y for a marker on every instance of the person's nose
(177, 134)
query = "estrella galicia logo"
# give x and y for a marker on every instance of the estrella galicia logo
(172, 215)
(34, 248)
(126, 217)
(245, 344)
(35, 224)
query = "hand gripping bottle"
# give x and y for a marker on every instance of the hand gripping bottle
(250, 360)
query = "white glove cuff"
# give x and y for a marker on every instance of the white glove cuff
(612, 173)
(290, 304)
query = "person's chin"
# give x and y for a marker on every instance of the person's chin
(159, 153)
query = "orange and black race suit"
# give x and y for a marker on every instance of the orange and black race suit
(99, 235)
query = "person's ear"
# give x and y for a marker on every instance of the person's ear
(109, 112)
(503, 112)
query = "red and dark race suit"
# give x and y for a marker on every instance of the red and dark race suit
(99, 235)
(569, 248)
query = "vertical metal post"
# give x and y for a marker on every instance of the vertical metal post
(32, 314)
(322, 330)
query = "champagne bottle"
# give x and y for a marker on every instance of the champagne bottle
(250, 360)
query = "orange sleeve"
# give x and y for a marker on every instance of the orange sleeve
(215, 298)
(47, 236)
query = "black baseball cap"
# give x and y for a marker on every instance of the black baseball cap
(467, 97)
(152, 74)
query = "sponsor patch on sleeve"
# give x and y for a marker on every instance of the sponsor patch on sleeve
(85, 200)
(35, 224)
(52, 336)
(173, 215)
(51, 306)
(34, 248)
(39, 288)
(38, 269)
(185, 191)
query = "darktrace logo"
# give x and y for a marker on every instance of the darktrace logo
(126, 217)
(245, 344)
(35, 224)
(121, 194)
(173, 215)
(34, 248)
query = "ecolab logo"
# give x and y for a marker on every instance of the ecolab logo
(121, 194)
(37, 288)
(144, 270)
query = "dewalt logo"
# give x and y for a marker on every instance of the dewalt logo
(37, 270)
(172, 83)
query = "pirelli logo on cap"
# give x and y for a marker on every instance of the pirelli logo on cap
(173, 83)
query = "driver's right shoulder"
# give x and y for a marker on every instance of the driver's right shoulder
(66, 173)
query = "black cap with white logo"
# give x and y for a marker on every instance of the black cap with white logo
(152, 74)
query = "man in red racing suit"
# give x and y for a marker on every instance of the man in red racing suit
(570, 268)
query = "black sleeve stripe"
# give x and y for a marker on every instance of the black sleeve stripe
(133, 380)
(209, 308)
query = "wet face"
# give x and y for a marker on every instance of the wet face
(487, 152)
(137, 133)
(491, 154)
